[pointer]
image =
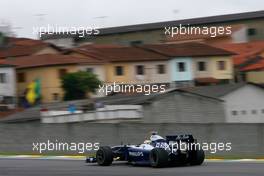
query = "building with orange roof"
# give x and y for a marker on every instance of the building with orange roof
(255, 71)
(244, 51)
(196, 63)
(127, 65)
(49, 69)
(18, 47)
(178, 64)
(249, 57)
(255, 66)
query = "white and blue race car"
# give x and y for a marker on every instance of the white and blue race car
(155, 152)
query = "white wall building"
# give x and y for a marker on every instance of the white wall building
(7, 85)
(153, 72)
(244, 102)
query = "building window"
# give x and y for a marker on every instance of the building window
(201, 66)
(55, 96)
(3, 78)
(62, 72)
(136, 42)
(140, 69)
(90, 70)
(181, 66)
(119, 71)
(243, 112)
(252, 31)
(234, 113)
(161, 69)
(21, 77)
(254, 111)
(221, 65)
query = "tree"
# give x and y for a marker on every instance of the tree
(77, 84)
(3, 41)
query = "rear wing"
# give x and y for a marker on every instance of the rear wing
(182, 137)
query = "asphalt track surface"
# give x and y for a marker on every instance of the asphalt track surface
(38, 167)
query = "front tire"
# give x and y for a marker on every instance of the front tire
(159, 157)
(104, 156)
(197, 157)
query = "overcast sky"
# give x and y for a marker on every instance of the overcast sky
(23, 15)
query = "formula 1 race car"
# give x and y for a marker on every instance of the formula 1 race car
(155, 152)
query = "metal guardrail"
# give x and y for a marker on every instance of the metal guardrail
(110, 112)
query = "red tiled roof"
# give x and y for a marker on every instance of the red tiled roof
(115, 53)
(98, 46)
(22, 47)
(242, 58)
(255, 66)
(187, 49)
(245, 51)
(91, 50)
(16, 51)
(25, 41)
(130, 54)
(48, 60)
(243, 48)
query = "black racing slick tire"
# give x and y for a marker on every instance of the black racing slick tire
(159, 157)
(197, 157)
(104, 156)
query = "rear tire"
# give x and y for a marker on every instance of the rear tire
(104, 156)
(159, 157)
(179, 160)
(197, 157)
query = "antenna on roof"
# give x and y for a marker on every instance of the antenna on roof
(102, 18)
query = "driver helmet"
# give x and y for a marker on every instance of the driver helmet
(154, 137)
(147, 141)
